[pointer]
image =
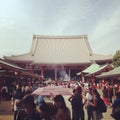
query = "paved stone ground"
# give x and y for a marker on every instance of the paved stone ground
(6, 110)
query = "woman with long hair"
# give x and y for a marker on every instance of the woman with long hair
(63, 112)
(29, 109)
(97, 115)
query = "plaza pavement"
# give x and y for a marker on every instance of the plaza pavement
(6, 110)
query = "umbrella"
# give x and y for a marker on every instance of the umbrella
(52, 90)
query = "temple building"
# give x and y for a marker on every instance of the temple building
(58, 57)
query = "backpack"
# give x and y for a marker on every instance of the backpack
(116, 112)
(101, 105)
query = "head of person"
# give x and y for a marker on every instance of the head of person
(47, 110)
(18, 103)
(74, 91)
(59, 101)
(28, 102)
(79, 90)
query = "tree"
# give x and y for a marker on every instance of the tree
(116, 59)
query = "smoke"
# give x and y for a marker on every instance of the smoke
(62, 74)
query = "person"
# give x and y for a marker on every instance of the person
(4, 92)
(47, 110)
(40, 100)
(106, 96)
(70, 98)
(77, 105)
(30, 112)
(96, 114)
(111, 94)
(19, 109)
(17, 96)
(63, 112)
(116, 103)
(89, 98)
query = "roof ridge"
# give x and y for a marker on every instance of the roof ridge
(59, 36)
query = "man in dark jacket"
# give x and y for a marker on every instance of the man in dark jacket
(77, 105)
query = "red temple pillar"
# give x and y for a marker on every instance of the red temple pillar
(69, 74)
(42, 72)
(55, 74)
(93, 81)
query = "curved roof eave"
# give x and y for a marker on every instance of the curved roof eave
(101, 57)
(20, 58)
(93, 67)
(111, 73)
(98, 70)
(4, 63)
(108, 76)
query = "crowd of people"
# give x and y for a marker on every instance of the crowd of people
(25, 107)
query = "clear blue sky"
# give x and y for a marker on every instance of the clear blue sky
(20, 19)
